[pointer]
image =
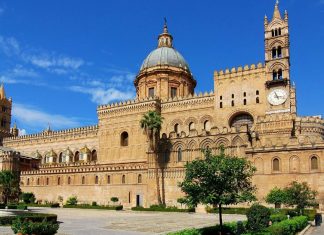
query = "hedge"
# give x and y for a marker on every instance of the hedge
(278, 217)
(87, 206)
(34, 217)
(162, 209)
(289, 227)
(228, 210)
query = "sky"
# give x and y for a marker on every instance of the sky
(60, 59)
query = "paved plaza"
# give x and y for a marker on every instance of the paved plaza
(90, 221)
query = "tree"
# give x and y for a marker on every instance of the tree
(300, 195)
(276, 196)
(151, 123)
(9, 182)
(218, 180)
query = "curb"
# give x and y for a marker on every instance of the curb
(305, 229)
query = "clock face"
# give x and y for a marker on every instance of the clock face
(277, 97)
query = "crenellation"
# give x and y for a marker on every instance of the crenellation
(237, 72)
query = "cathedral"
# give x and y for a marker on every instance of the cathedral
(252, 112)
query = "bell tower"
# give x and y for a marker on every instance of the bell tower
(281, 95)
(277, 57)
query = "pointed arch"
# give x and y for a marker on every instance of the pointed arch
(207, 143)
(294, 164)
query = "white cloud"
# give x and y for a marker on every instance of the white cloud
(35, 118)
(9, 46)
(104, 96)
(51, 61)
(22, 132)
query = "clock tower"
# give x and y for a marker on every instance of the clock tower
(280, 92)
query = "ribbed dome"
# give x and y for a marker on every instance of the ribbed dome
(165, 56)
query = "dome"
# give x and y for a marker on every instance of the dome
(165, 56)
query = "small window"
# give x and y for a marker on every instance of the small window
(244, 94)
(274, 53)
(96, 179)
(37, 181)
(274, 75)
(257, 92)
(83, 180)
(124, 139)
(179, 154)
(28, 181)
(232, 103)
(123, 179)
(221, 97)
(280, 74)
(47, 181)
(276, 32)
(279, 31)
(139, 179)
(69, 180)
(272, 33)
(244, 101)
(151, 92)
(191, 126)
(221, 105)
(76, 156)
(108, 179)
(275, 164)
(314, 163)
(207, 125)
(58, 181)
(233, 96)
(279, 53)
(176, 128)
(257, 100)
(173, 92)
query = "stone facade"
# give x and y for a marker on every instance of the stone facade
(252, 113)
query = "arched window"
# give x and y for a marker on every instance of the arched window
(108, 179)
(232, 102)
(244, 101)
(124, 139)
(96, 179)
(274, 53)
(60, 157)
(47, 181)
(83, 180)
(275, 164)
(37, 181)
(179, 154)
(58, 181)
(176, 128)
(279, 31)
(94, 155)
(274, 75)
(221, 105)
(280, 74)
(207, 125)
(314, 163)
(69, 180)
(279, 53)
(123, 179)
(232, 96)
(241, 119)
(191, 126)
(272, 33)
(28, 181)
(244, 94)
(221, 97)
(276, 32)
(257, 92)
(139, 179)
(76, 156)
(257, 100)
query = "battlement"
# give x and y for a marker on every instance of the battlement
(50, 133)
(239, 71)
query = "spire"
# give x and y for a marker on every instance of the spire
(2, 92)
(276, 13)
(265, 20)
(165, 39)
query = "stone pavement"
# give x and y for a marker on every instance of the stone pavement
(102, 222)
(316, 230)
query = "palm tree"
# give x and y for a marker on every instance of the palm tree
(151, 123)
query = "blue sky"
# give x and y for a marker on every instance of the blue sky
(60, 59)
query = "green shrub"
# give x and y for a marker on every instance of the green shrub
(2, 206)
(34, 217)
(28, 197)
(187, 232)
(114, 199)
(55, 205)
(94, 203)
(278, 217)
(310, 214)
(258, 217)
(162, 208)
(228, 210)
(87, 206)
(12, 206)
(29, 227)
(73, 200)
(289, 227)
